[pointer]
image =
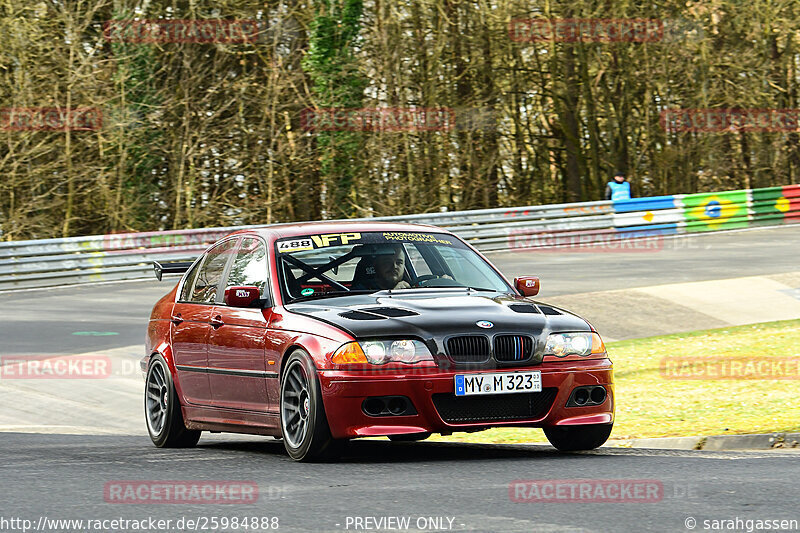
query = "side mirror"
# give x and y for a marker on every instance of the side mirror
(242, 296)
(527, 285)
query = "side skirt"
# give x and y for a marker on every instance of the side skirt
(231, 421)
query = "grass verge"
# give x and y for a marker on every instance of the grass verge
(654, 400)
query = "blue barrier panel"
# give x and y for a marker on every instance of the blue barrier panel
(650, 203)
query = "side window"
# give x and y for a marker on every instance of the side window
(187, 284)
(250, 266)
(210, 274)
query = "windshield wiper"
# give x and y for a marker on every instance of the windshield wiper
(330, 294)
(461, 287)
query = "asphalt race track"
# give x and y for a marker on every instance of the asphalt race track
(64, 477)
(436, 486)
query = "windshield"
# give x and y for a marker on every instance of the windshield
(326, 265)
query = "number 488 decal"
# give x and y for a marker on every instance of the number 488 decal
(321, 241)
(295, 245)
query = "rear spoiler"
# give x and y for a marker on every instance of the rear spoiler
(173, 267)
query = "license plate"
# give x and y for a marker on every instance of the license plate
(498, 383)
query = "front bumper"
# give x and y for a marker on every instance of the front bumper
(344, 392)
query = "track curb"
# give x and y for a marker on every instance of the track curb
(761, 441)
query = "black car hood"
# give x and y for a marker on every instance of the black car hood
(433, 315)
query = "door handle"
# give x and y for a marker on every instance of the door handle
(217, 322)
(176, 319)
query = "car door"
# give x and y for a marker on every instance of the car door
(191, 317)
(238, 369)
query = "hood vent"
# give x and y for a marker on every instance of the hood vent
(359, 315)
(547, 310)
(390, 312)
(524, 308)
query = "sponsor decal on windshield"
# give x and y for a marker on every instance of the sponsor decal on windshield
(415, 237)
(314, 242)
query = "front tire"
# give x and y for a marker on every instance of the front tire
(162, 409)
(578, 438)
(304, 425)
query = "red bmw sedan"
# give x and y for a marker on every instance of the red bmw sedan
(319, 333)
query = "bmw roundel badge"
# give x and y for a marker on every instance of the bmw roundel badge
(484, 324)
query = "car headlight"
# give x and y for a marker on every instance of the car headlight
(380, 352)
(583, 344)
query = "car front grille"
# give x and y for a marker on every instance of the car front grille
(468, 348)
(512, 348)
(477, 349)
(492, 408)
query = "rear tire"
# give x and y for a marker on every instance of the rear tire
(304, 425)
(578, 438)
(162, 409)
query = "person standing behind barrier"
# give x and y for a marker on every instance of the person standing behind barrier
(618, 188)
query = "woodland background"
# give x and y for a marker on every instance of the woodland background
(210, 134)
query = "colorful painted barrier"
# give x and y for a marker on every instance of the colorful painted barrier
(608, 225)
(692, 213)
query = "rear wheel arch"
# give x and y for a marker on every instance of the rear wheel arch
(165, 351)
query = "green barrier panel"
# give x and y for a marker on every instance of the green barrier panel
(767, 206)
(715, 211)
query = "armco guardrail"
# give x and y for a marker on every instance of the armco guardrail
(50, 262)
